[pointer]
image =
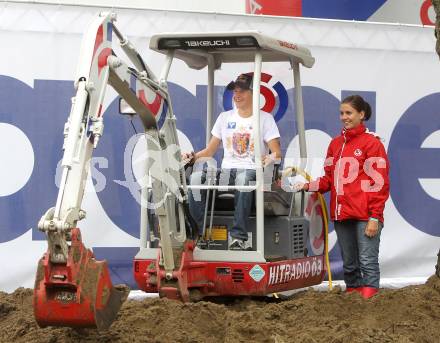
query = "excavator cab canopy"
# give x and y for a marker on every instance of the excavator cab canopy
(198, 49)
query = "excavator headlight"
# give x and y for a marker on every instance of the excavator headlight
(125, 108)
(169, 44)
(246, 41)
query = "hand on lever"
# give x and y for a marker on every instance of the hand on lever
(269, 159)
(188, 158)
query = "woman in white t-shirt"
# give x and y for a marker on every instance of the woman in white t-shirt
(234, 129)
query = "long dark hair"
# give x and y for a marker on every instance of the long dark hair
(359, 104)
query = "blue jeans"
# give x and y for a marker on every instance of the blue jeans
(360, 253)
(242, 200)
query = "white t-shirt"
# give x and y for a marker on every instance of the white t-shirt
(237, 136)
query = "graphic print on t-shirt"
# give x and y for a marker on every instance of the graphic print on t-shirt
(242, 141)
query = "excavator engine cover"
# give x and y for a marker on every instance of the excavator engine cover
(78, 293)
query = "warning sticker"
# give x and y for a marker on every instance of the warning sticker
(257, 273)
(218, 233)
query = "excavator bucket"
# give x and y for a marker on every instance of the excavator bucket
(78, 293)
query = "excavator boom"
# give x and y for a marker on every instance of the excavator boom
(72, 288)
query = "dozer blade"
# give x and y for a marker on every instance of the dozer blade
(78, 293)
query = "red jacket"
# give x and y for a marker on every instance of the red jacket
(356, 173)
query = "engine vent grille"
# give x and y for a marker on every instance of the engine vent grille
(298, 240)
(237, 275)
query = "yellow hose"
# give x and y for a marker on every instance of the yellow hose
(327, 259)
(325, 215)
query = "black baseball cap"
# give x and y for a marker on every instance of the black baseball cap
(243, 81)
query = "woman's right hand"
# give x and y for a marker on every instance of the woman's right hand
(299, 186)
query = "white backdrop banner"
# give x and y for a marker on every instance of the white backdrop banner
(393, 66)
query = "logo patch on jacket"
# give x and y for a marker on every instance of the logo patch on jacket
(232, 125)
(358, 152)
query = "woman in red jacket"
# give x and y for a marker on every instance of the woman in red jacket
(356, 174)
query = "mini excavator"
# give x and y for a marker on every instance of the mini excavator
(287, 235)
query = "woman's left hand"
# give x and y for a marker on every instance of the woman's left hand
(268, 159)
(372, 228)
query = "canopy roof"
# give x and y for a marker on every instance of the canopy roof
(196, 49)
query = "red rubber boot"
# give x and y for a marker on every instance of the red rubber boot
(368, 292)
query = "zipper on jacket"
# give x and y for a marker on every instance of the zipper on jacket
(337, 177)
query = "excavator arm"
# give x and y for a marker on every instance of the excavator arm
(71, 287)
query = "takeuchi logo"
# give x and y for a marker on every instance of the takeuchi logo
(271, 94)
